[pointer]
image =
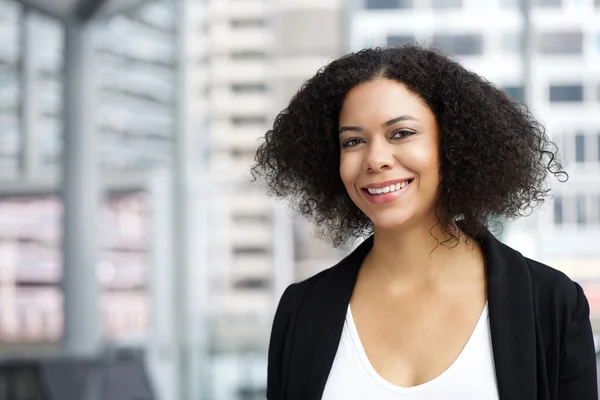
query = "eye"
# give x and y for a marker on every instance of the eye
(401, 134)
(351, 142)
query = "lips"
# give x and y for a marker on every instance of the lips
(383, 193)
(383, 184)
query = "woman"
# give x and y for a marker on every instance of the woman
(408, 145)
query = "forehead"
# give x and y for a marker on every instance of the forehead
(380, 100)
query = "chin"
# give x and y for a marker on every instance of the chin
(385, 221)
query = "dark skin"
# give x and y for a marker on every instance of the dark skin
(414, 308)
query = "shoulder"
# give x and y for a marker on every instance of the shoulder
(294, 295)
(558, 300)
(549, 283)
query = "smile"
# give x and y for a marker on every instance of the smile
(387, 193)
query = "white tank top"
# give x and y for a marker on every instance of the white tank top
(471, 375)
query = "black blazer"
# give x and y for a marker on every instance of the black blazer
(539, 320)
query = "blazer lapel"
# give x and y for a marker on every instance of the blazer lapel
(512, 321)
(319, 327)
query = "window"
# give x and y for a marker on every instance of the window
(399, 40)
(251, 283)
(558, 210)
(248, 88)
(566, 93)
(516, 93)
(242, 154)
(579, 148)
(247, 23)
(239, 218)
(460, 45)
(442, 4)
(249, 251)
(548, 3)
(560, 43)
(248, 55)
(388, 4)
(580, 209)
(249, 120)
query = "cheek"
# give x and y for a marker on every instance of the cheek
(347, 170)
(426, 160)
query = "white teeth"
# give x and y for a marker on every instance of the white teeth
(387, 189)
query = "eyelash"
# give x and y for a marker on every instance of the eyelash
(404, 133)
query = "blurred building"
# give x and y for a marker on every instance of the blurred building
(244, 61)
(557, 75)
(133, 86)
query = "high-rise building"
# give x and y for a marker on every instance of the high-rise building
(245, 59)
(557, 75)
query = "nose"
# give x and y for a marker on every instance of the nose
(378, 157)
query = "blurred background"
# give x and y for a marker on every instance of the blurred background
(137, 260)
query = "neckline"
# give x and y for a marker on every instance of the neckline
(411, 389)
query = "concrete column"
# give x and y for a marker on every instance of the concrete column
(81, 194)
(29, 155)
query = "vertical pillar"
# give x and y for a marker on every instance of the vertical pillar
(29, 157)
(191, 228)
(80, 190)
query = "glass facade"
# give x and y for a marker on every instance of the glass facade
(135, 72)
(9, 89)
(137, 89)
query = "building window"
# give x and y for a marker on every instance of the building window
(388, 4)
(516, 93)
(248, 55)
(460, 45)
(550, 43)
(548, 3)
(249, 120)
(251, 283)
(580, 209)
(248, 88)
(249, 251)
(566, 93)
(443, 4)
(558, 211)
(247, 23)
(399, 40)
(579, 148)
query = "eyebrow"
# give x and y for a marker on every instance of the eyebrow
(384, 125)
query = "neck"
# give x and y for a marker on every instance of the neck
(419, 255)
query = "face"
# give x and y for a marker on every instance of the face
(389, 154)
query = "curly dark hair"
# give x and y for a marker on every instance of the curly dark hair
(494, 155)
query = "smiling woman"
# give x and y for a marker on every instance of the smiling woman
(408, 148)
